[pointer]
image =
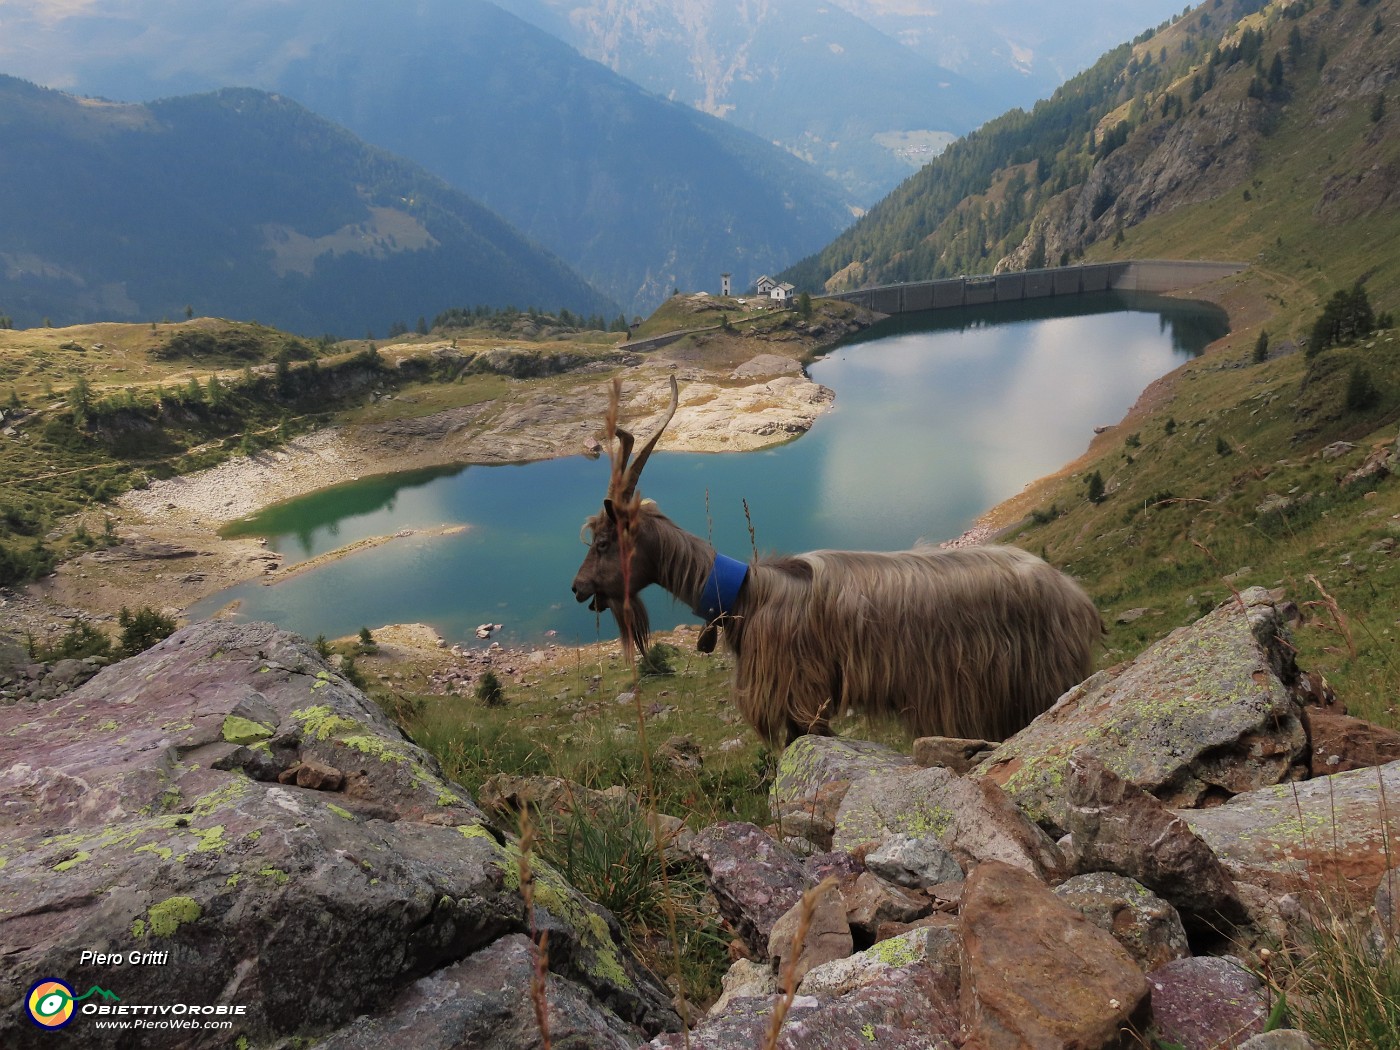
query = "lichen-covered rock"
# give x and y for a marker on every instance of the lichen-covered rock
(932, 946)
(1330, 832)
(972, 818)
(912, 1008)
(1036, 972)
(132, 823)
(1204, 714)
(1207, 1002)
(814, 773)
(1142, 922)
(486, 1000)
(1116, 826)
(754, 878)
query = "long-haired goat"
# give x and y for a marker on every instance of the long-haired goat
(969, 642)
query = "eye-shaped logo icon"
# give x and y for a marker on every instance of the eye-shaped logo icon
(50, 1003)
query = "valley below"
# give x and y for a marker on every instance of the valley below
(739, 394)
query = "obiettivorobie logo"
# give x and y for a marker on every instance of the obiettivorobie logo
(52, 1003)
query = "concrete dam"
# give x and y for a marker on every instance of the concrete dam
(1140, 275)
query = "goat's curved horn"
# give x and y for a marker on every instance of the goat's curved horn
(633, 470)
(626, 440)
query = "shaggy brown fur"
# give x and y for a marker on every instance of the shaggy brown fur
(971, 642)
(968, 642)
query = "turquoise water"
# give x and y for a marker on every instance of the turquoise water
(938, 417)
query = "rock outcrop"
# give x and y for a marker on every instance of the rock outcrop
(1203, 715)
(158, 813)
(230, 810)
(1115, 936)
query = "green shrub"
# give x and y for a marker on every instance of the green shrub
(1362, 394)
(1096, 493)
(143, 629)
(659, 660)
(489, 690)
(81, 640)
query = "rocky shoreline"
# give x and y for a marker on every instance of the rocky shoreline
(171, 555)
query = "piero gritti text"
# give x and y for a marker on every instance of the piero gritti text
(89, 958)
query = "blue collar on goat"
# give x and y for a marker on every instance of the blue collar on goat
(721, 590)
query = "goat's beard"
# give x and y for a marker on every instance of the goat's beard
(633, 623)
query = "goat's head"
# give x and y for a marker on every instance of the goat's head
(612, 572)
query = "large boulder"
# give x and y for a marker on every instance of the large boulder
(1336, 834)
(1118, 827)
(1204, 714)
(1036, 972)
(913, 1007)
(814, 773)
(754, 879)
(973, 819)
(157, 810)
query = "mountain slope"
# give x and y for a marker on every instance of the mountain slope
(1248, 131)
(638, 194)
(803, 73)
(864, 89)
(240, 204)
(1241, 129)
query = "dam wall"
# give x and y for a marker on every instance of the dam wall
(1139, 275)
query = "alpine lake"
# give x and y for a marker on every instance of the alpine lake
(938, 417)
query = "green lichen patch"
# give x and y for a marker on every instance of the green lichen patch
(321, 724)
(552, 893)
(169, 915)
(238, 730)
(163, 852)
(74, 860)
(210, 839)
(277, 875)
(894, 951)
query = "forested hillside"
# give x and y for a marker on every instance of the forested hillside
(244, 205)
(1242, 128)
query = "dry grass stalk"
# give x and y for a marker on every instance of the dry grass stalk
(804, 923)
(1339, 619)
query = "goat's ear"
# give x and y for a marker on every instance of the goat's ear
(610, 510)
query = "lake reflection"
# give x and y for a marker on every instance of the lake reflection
(938, 417)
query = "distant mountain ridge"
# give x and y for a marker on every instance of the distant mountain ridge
(244, 205)
(639, 195)
(866, 90)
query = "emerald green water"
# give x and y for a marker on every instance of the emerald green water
(938, 417)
